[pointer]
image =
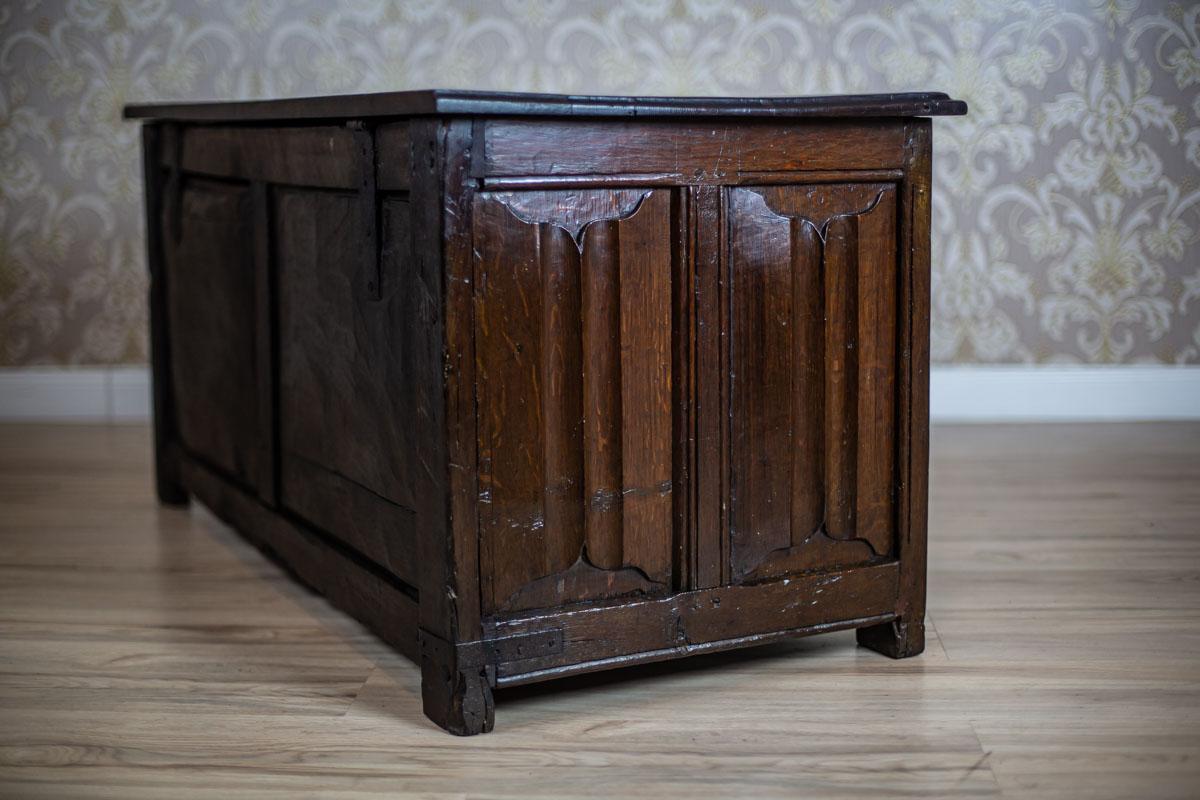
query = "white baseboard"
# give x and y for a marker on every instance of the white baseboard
(957, 394)
(1063, 394)
(88, 394)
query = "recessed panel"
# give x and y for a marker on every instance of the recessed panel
(574, 361)
(212, 316)
(813, 377)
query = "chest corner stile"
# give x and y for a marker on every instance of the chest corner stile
(534, 385)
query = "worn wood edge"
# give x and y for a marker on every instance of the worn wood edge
(442, 101)
(680, 179)
(263, 154)
(516, 146)
(456, 193)
(166, 473)
(683, 651)
(387, 607)
(913, 454)
(898, 638)
(699, 618)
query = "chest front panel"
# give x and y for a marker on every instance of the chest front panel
(691, 383)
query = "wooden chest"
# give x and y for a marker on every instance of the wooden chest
(537, 385)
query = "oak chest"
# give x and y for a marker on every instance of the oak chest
(535, 385)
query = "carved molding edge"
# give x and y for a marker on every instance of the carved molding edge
(572, 219)
(819, 551)
(819, 226)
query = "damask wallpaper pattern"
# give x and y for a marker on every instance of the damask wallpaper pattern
(1067, 204)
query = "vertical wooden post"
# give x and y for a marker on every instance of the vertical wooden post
(166, 469)
(905, 636)
(455, 683)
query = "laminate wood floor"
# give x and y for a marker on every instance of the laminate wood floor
(149, 653)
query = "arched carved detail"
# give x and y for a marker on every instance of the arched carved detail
(813, 370)
(573, 211)
(573, 353)
(820, 208)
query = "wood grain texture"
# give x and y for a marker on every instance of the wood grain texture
(573, 312)
(346, 440)
(914, 286)
(394, 152)
(455, 101)
(213, 315)
(814, 327)
(454, 695)
(302, 156)
(592, 367)
(149, 652)
(709, 397)
(702, 153)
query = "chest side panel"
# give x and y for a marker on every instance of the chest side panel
(212, 309)
(346, 430)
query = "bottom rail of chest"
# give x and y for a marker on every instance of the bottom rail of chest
(458, 677)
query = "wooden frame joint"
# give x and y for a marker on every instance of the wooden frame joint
(364, 140)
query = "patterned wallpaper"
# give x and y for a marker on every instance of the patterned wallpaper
(1067, 204)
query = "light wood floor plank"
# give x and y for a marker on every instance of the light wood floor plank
(149, 652)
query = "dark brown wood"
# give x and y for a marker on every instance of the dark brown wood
(533, 398)
(457, 102)
(709, 390)
(573, 334)
(166, 478)
(813, 398)
(213, 316)
(697, 621)
(456, 692)
(264, 338)
(906, 636)
(393, 165)
(698, 154)
(344, 434)
(321, 156)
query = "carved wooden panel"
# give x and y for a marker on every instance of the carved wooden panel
(346, 427)
(813, 376)
(211, 307)
(574, 372)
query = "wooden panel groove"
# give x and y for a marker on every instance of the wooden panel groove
(602, 381)
(814, 298)
(709, 477)
(562, 400)
(645, 374)
(808, 358)
(576, 447)
(841, 375)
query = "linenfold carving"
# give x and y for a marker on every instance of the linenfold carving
(826, 497)
(573, 211)
(603, 507)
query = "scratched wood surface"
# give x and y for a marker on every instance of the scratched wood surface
(814, 362)
(573, 363)
(149, 652)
